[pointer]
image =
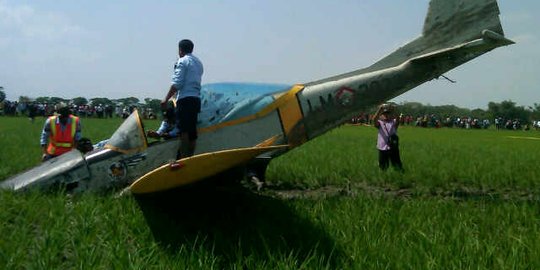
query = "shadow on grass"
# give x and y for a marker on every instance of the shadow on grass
(233, 223)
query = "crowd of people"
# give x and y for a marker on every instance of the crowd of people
(33, 109)
(434, 121)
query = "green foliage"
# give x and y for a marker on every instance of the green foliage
(80, 101)
(434, 160)
(481, 114)
(419, 109)
(2, 94)
(535, 115)
(154, 104)
(101, 100)
(508, 110)
(468, 199)
(129, 101)
(56, 100)
(49, 100)
(41, 99)
(24, 99)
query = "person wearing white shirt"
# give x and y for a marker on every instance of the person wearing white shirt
(186, 85)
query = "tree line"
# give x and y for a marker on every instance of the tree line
(506, 109)
(82, 101)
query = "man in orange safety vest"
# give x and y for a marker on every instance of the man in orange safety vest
(60, 133)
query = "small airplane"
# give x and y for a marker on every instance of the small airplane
(242, 123)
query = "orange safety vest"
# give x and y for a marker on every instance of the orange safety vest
(60, 141)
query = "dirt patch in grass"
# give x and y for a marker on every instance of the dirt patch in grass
(452, 193)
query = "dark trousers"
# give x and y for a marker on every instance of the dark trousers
(387, 156)
(186, 115)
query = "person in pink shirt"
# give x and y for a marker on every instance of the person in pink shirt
(387, 140)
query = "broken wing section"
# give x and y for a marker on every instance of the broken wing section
(129, 138)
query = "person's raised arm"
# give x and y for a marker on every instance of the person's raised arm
(376, 116)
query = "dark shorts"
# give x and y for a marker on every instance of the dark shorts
(186, 115)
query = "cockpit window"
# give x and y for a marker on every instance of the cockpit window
(221, 102)
(129, 137)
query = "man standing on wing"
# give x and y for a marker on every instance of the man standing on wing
(186, 84)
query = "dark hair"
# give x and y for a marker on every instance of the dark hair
(186, 46)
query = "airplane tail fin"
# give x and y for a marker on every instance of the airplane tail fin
(461, 20)
(455, 31)
(451, 24)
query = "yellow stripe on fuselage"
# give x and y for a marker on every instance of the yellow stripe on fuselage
(290, 114)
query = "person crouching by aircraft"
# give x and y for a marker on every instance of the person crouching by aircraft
(168, 128)
(60, 133)
(387, 141)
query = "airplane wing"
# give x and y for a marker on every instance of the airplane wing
(195, 168)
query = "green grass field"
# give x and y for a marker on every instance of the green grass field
(469, 199)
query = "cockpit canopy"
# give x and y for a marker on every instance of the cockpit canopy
(129, 137)
(222, 102)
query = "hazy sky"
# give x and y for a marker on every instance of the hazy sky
(116, 49)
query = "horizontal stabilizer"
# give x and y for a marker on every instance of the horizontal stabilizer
(195, 168)
(489, 41)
